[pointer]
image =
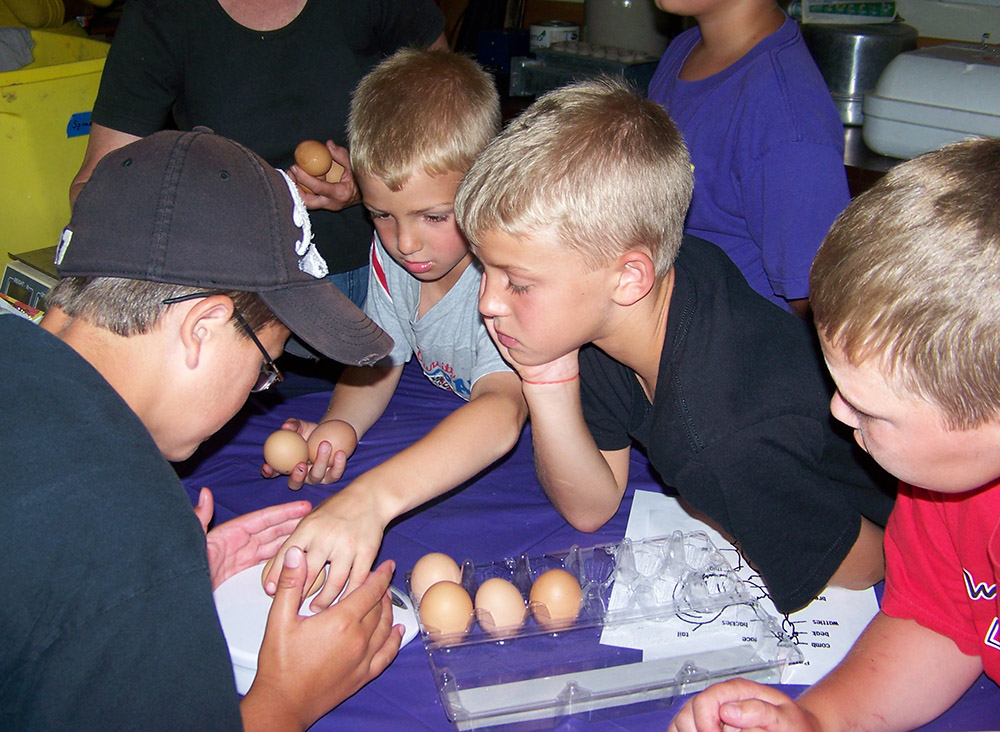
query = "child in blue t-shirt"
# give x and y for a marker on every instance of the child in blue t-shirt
(765, 139)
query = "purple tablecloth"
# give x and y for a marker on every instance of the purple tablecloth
(500, 514)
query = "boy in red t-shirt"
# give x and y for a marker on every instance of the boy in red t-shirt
(906, 295)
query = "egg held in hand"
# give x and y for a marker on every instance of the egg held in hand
(316, 585)
(285, 449)
(555, 599)
(315, 159)
(500, 608)
(430, 569)
(445, 609)
(336, 432)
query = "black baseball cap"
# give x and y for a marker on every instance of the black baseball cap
(197, 209)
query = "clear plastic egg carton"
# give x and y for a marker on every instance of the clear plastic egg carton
(654, 589)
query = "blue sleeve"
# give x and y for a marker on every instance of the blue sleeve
(791, 198)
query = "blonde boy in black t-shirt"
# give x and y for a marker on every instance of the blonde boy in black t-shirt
(576, 212)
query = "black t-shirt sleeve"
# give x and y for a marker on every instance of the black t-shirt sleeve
(142, 74)
(606, 395)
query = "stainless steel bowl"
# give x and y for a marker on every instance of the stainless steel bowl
(851, 57)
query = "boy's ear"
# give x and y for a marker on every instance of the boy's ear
(202, 324)
(636, 276)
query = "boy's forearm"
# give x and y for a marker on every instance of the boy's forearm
(898, 676)
(574, 473)
(361, 395)
(263, 715)
(865, 563)
(464, 443)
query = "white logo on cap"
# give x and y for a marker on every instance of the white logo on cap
(63, 245)
(310, 261)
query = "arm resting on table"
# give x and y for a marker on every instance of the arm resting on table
(584, 483)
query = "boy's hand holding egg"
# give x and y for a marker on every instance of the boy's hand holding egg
(313, 589)
(330, 444)
(315, 158)
(322, 449)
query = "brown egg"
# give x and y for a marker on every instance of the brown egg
(555, 599)
(313, 157)
(335, 432)
(445, 609)
(430, 569)
(317, 583)
(285, 449)
(500, 608)
(335, 173)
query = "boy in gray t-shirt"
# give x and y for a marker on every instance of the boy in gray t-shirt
(450, 341)
(417, 122)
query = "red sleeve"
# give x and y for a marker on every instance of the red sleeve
(923, 572)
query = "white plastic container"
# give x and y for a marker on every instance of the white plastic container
(934, 96)
(243, 606)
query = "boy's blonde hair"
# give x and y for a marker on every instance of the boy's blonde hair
(420, 110)
(593, 163)
(909, 277)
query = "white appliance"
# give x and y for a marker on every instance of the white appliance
(934, 96)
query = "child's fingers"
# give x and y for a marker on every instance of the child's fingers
(205, 508)
(749, 714)
(337, 466)
(298, 476)
(269, 577)
(360, 569)
(393, 638)
(336, 578)
(370, 594)
(318, 469)
(291, 580)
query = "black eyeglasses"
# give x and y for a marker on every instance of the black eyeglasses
(269, 373)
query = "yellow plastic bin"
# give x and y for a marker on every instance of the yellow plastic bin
(44, 122)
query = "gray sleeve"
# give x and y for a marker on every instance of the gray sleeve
(380, 306)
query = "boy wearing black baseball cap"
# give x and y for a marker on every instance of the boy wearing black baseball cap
(186, 265)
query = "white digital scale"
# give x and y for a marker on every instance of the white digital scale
(243, 606)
